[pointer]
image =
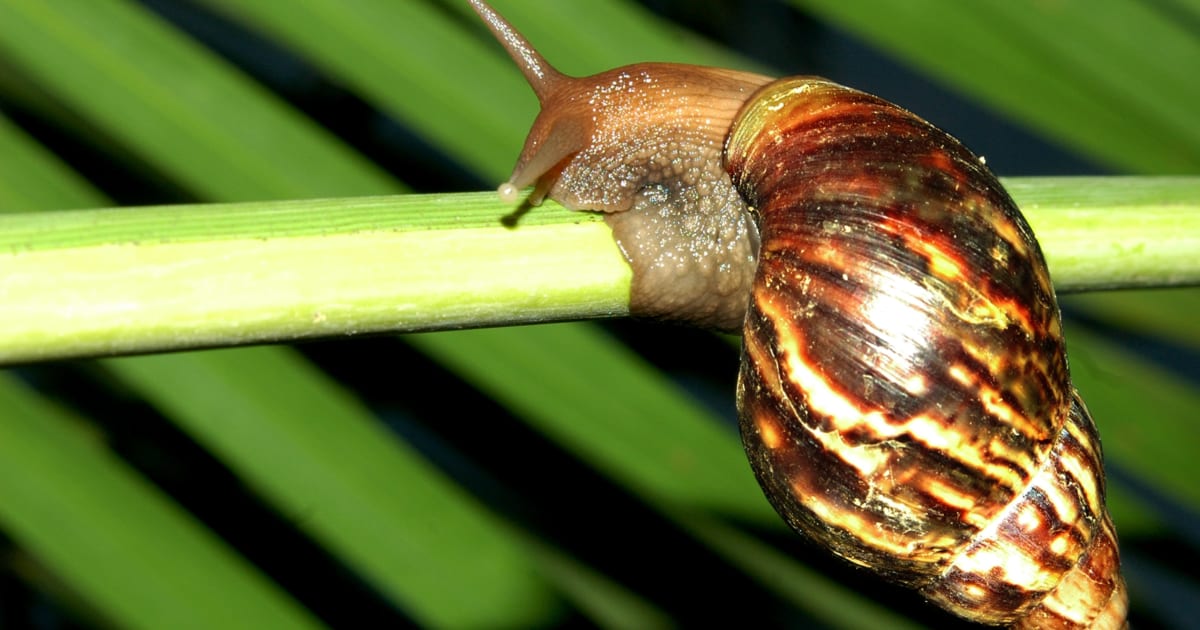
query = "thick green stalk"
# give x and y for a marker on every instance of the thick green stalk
(148, 279)
(1114, 232)
(117, 281)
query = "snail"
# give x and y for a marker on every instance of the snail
(904, 398)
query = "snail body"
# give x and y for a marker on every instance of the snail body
(904, 397)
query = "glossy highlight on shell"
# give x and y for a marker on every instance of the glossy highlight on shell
(904, 396)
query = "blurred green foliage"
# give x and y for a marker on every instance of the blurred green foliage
(520, 477)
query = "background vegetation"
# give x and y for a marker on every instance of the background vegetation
(536, 476)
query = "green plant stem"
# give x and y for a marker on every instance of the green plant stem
(133, 280)
(1114, 232)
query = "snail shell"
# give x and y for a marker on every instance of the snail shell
(904, 397)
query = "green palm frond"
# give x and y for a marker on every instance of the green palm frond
(524, 476)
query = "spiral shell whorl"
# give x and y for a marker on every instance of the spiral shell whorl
(904, 388)
(1050, 559)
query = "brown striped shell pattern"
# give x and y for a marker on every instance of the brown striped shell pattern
(904, 398)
